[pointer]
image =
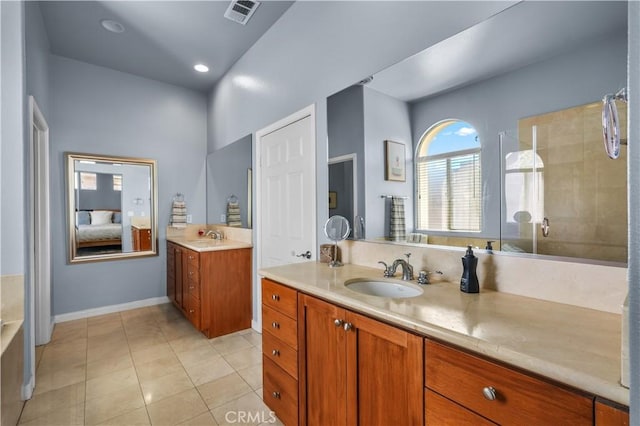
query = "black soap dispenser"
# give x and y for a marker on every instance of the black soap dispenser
(469, 281)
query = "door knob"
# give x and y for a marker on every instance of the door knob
(306, 255)
(338, 322)
(489, 393)
(348, 326)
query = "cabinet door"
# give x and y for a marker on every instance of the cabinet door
(322, 363)
(384, 370)
(611, 414)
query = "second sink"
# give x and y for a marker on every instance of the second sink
(392, 289)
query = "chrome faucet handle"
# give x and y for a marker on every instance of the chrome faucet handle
(387, 270)
(423, 276)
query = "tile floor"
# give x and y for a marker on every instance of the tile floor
(146, 366)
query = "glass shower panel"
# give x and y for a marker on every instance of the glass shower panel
(562, 195)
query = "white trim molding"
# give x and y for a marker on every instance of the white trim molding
(87, 313)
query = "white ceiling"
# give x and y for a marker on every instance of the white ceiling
(162, 40)
(526, 33)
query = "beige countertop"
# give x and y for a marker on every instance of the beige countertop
(576, 346)
(208, 244)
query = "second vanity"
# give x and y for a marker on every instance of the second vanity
(210, 282)
(332, 355)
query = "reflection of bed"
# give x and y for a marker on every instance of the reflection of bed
(98, 234)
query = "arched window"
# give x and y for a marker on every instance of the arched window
(448, 179)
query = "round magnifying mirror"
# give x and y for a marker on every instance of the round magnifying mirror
(336, 229)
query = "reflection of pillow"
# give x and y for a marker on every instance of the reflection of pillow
(117, 217)
(83, 218)
(101, 217)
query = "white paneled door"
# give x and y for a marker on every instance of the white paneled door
(287, 191)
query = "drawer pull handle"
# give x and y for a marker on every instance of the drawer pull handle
(275, 352)
(489, 393)
(348, 326)
(275, 325)
(191, 311)
(190, 272)
(191, 287)
(190, 257)
(276, 395)
(275, 297)
(338, 322)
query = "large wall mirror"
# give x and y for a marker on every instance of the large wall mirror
(528, 84)
(229, 180)
(111, 207)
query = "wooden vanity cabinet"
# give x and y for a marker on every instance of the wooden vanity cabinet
(280, 350)
(140, 238)
(610, 414)
(212, 289)
(356, 370)
(496, 392)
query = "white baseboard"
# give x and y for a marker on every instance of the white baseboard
(256, 326)
(110, 309)
(27, 389)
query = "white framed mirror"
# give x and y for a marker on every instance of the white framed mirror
(112, 207)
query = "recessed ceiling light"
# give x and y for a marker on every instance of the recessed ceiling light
(201, 68)
(111, 25)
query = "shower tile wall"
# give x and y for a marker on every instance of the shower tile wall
(585, 192)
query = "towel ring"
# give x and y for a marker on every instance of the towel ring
(611, 123)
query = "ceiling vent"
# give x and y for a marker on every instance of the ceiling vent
(241, 10)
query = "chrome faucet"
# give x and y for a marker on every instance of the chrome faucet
(407, 269)
(216, 235)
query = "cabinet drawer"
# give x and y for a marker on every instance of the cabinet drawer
(280, 392)
(280, 353)
(440, 411)
(193, 273)
(519, 398)
(280, 326)
(193, 258)
(193, 312)
(280, 298)
(194, 289)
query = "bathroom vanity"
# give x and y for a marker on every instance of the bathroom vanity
(209, 281)
(334, 356)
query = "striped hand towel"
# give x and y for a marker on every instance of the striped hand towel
(397, 227)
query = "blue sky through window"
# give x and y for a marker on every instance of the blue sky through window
(457, 136)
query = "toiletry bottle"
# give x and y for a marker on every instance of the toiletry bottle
(469, 281)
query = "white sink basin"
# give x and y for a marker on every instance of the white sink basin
(392, 289)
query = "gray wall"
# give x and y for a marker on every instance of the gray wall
(12, 133)
(227, 175)
(385, 118)
(103, 197)
(633, 84)
(100, 111)
(495, 105)
(345, 132)
(318, 48)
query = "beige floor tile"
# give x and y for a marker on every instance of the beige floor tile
(101, 351)
(252, 375)
(166, 386)
(39, 352)
(115, 336)
(108, 365)
(104, 319)
(52, 363)
(198, 355)
(223, 390)
(226, 344)
(140, 343)
(259, 393)
(153, 369)
(189, 343)
(151, 353)
(62, 416)
(68, 335)
(48, 402)
(244, 358)
(177, 408)
(179, 329)
(107, 327)
(204, 419)
(111, 383)
(249, 406)
(137, 417)
(208, 370)
(66, 349)
(98, 410)
(59, 378)
(253, 337)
